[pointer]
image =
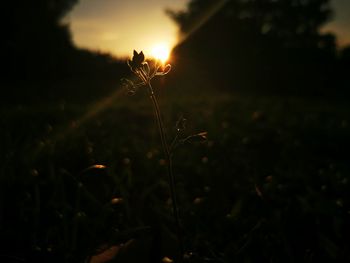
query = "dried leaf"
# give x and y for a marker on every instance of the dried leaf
(167, 260)
(258, 191)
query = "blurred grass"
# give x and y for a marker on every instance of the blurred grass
(271, 184)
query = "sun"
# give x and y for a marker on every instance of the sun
(161, 51)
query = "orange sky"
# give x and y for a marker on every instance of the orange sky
(118, 26)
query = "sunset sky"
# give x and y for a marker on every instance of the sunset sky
(340, 23)
(118, 27)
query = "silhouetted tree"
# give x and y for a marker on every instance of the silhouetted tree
(342, 71)
(41, 61)
(34, 37)
(257, 42)
(295, 22)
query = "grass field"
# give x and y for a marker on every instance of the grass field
(270, 184)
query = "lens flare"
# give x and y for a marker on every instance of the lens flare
(161, 52)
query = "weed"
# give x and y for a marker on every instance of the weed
(145, 74)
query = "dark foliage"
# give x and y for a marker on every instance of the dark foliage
(270, 183)
(262, 46)
(39, 60)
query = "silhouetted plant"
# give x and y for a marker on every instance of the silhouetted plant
(145, 73)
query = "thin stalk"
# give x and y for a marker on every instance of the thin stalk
(169, 164)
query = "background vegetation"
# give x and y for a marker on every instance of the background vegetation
(82, 168)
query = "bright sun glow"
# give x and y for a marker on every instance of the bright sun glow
(161, 52)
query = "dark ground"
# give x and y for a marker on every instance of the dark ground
(271, 183)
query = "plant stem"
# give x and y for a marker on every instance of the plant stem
(168, 158)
